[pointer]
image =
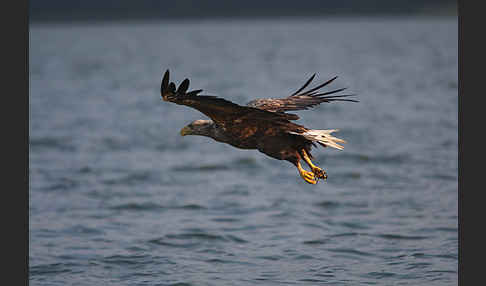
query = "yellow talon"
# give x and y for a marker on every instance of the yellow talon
(309, 177)
(319, 173)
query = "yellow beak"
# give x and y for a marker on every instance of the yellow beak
(185, 131)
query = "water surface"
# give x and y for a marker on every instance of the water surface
(118, 197)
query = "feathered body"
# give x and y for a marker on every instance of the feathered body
(263, 124)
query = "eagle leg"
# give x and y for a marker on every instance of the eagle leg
(319, 173)
(309, 177)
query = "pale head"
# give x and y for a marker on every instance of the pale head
(198, 127)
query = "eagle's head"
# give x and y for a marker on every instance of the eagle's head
(198, 127)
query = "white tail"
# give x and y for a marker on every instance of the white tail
(324, 137)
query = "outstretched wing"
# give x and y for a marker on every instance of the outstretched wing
(221, 111)
(300, 99)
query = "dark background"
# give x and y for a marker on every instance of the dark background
(61, 10)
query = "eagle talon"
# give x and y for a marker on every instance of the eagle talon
(320, 173)
(309, 177)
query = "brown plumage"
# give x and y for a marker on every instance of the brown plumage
(263, 124)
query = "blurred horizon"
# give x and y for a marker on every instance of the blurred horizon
(110, 10)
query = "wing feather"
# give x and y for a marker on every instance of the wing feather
(221, 111)
(304, 86)
(301, 100)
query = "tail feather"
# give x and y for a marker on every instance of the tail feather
(323, 137)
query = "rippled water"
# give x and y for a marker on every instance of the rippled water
(118, 197)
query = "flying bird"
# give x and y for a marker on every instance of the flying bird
(263, 124)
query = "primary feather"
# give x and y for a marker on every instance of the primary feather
(301, 100)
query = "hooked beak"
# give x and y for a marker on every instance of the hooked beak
(185, 131)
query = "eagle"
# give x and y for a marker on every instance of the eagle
(263, 124)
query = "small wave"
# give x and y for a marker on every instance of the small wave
(355, 225)
(220, 261)
(304, 257)
(62, 144)
(380, 275)
(423, 255)
(328, 204)
(351, 251)
(201, 168)
(447, 256)
(316, 242)
(52, 268)
(418, 265)
(130, 179)
(236, 239)
(346, 234)
(138, 206)
(443, 176)
(335, 205)
(401, 237)
(127, 259)
(189, 207)
(282, 214)
(312, 280)
(196, 236)
(63, 184)
(164, 242)
(81, 229)
(187, 240)
(147, 206)
(329, 275)
(446, 229)
(225, 219)
(442, 271)
(271, 257)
